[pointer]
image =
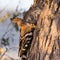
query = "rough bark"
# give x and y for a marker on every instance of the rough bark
(46, 42)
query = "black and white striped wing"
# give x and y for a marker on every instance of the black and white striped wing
(25, 43)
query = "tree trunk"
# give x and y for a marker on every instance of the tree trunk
(46, 42)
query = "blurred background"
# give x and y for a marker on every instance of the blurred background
(9, 34)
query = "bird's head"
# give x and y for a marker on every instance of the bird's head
(17, 21)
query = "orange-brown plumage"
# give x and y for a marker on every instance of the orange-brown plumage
(25, 27)
(25, 30)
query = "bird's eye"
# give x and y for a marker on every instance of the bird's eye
(16, 26)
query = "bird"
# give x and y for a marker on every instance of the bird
(26, 36)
